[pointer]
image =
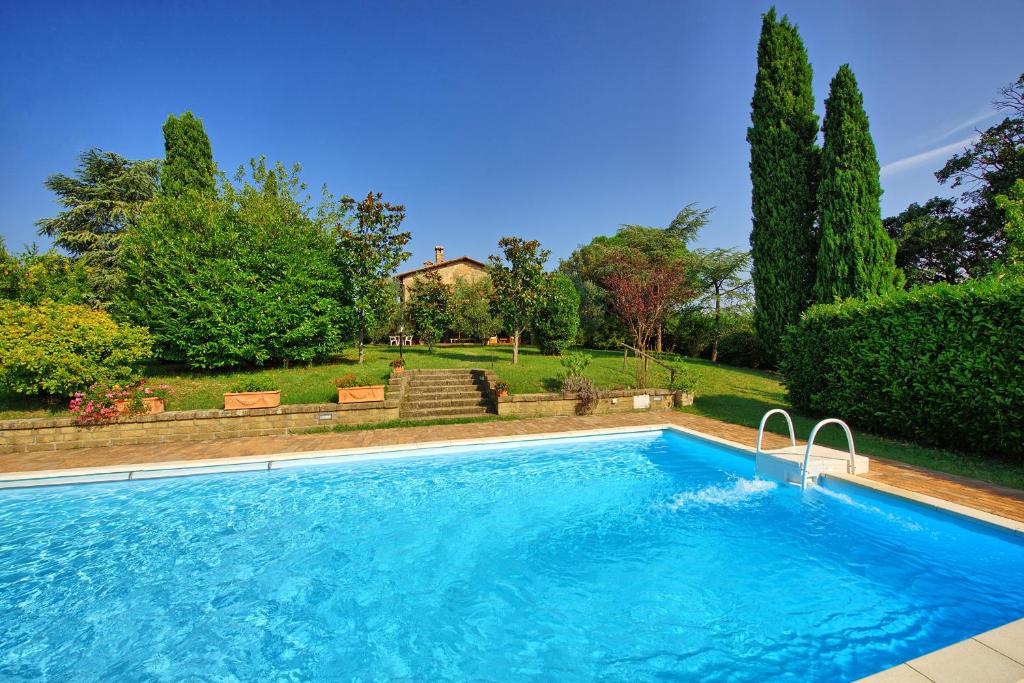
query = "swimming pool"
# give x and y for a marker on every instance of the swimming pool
(646, 556)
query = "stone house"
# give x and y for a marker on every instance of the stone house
(464, 267)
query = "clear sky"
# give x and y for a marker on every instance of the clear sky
(553, 120)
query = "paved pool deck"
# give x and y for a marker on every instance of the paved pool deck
(997, 500)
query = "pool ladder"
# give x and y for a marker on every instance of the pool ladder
(793, 449)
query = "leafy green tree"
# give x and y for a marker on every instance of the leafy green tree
(517, 276)
(988, 168)
(1012, 203)
(33, 277)
(589, 265)
(246, 277)
(952, 240)
(856, 257)
(935, 243)
(557, 319)
(106, 196)
(719, 278)
(370, 248)
(783, 172)
(188, 164)
(430, 308)
(473, 319)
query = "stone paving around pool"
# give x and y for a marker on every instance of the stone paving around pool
(996, 500)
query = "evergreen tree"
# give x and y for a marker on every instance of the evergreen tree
(783, 171)
(188, 161)
(104, 198)
(857, 258)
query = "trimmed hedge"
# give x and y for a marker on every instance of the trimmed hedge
(940, 365)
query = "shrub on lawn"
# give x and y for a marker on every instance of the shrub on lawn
(246, 277)
(557, 319)
(938, 365)
(57, 349)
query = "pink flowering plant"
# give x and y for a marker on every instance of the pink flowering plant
(106, 402)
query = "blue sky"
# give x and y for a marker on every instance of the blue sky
(549, 120)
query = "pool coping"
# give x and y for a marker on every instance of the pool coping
(907, 671)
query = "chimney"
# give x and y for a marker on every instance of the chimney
(439, 254)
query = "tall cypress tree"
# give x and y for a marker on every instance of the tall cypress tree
(188, 164)
(856, 257)
(783, 171)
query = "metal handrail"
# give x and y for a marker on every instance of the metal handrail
(810, 445)
(764, 420)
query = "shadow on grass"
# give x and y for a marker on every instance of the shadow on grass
(16, 404)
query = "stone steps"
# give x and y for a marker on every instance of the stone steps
(418, 403)
(451, 393)
(441, 413)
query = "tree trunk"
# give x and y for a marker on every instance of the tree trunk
(718, 327)
(515, 348)
(359, 344)
(658, 343)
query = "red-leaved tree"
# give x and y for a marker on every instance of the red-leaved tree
(643, 290)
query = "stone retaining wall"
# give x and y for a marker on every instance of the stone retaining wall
(57, 434)
(553, 405)
(25, 436)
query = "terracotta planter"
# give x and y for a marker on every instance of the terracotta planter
(251, 399)
(502, 393)
(361, 394)
(152, 404)
(398, 369)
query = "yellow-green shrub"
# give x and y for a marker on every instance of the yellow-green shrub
(938, 365)
(58, 349)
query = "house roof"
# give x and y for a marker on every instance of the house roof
(442, 264)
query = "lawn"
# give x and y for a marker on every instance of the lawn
(731, 394)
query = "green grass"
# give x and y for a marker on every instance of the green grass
(736, 395)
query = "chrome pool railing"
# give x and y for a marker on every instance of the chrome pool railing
(764, 420)
(810, 445)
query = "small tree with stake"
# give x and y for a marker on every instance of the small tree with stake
(517, 280)
(370, 248)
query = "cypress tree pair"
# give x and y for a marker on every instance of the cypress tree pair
(783, 171)
(856, 257)
(795, 185)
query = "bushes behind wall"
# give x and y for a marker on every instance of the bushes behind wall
(940, 365)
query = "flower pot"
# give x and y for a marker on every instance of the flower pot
(361, 394)
(151, 404)
(398, 369)
(680, 399)
(502, 393)
(251, 399)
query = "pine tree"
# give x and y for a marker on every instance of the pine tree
(188, 161)
(783, 172)
(856, 257)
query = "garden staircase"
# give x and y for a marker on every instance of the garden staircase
(444, 394)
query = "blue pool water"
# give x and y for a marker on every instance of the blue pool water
(645, 557)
